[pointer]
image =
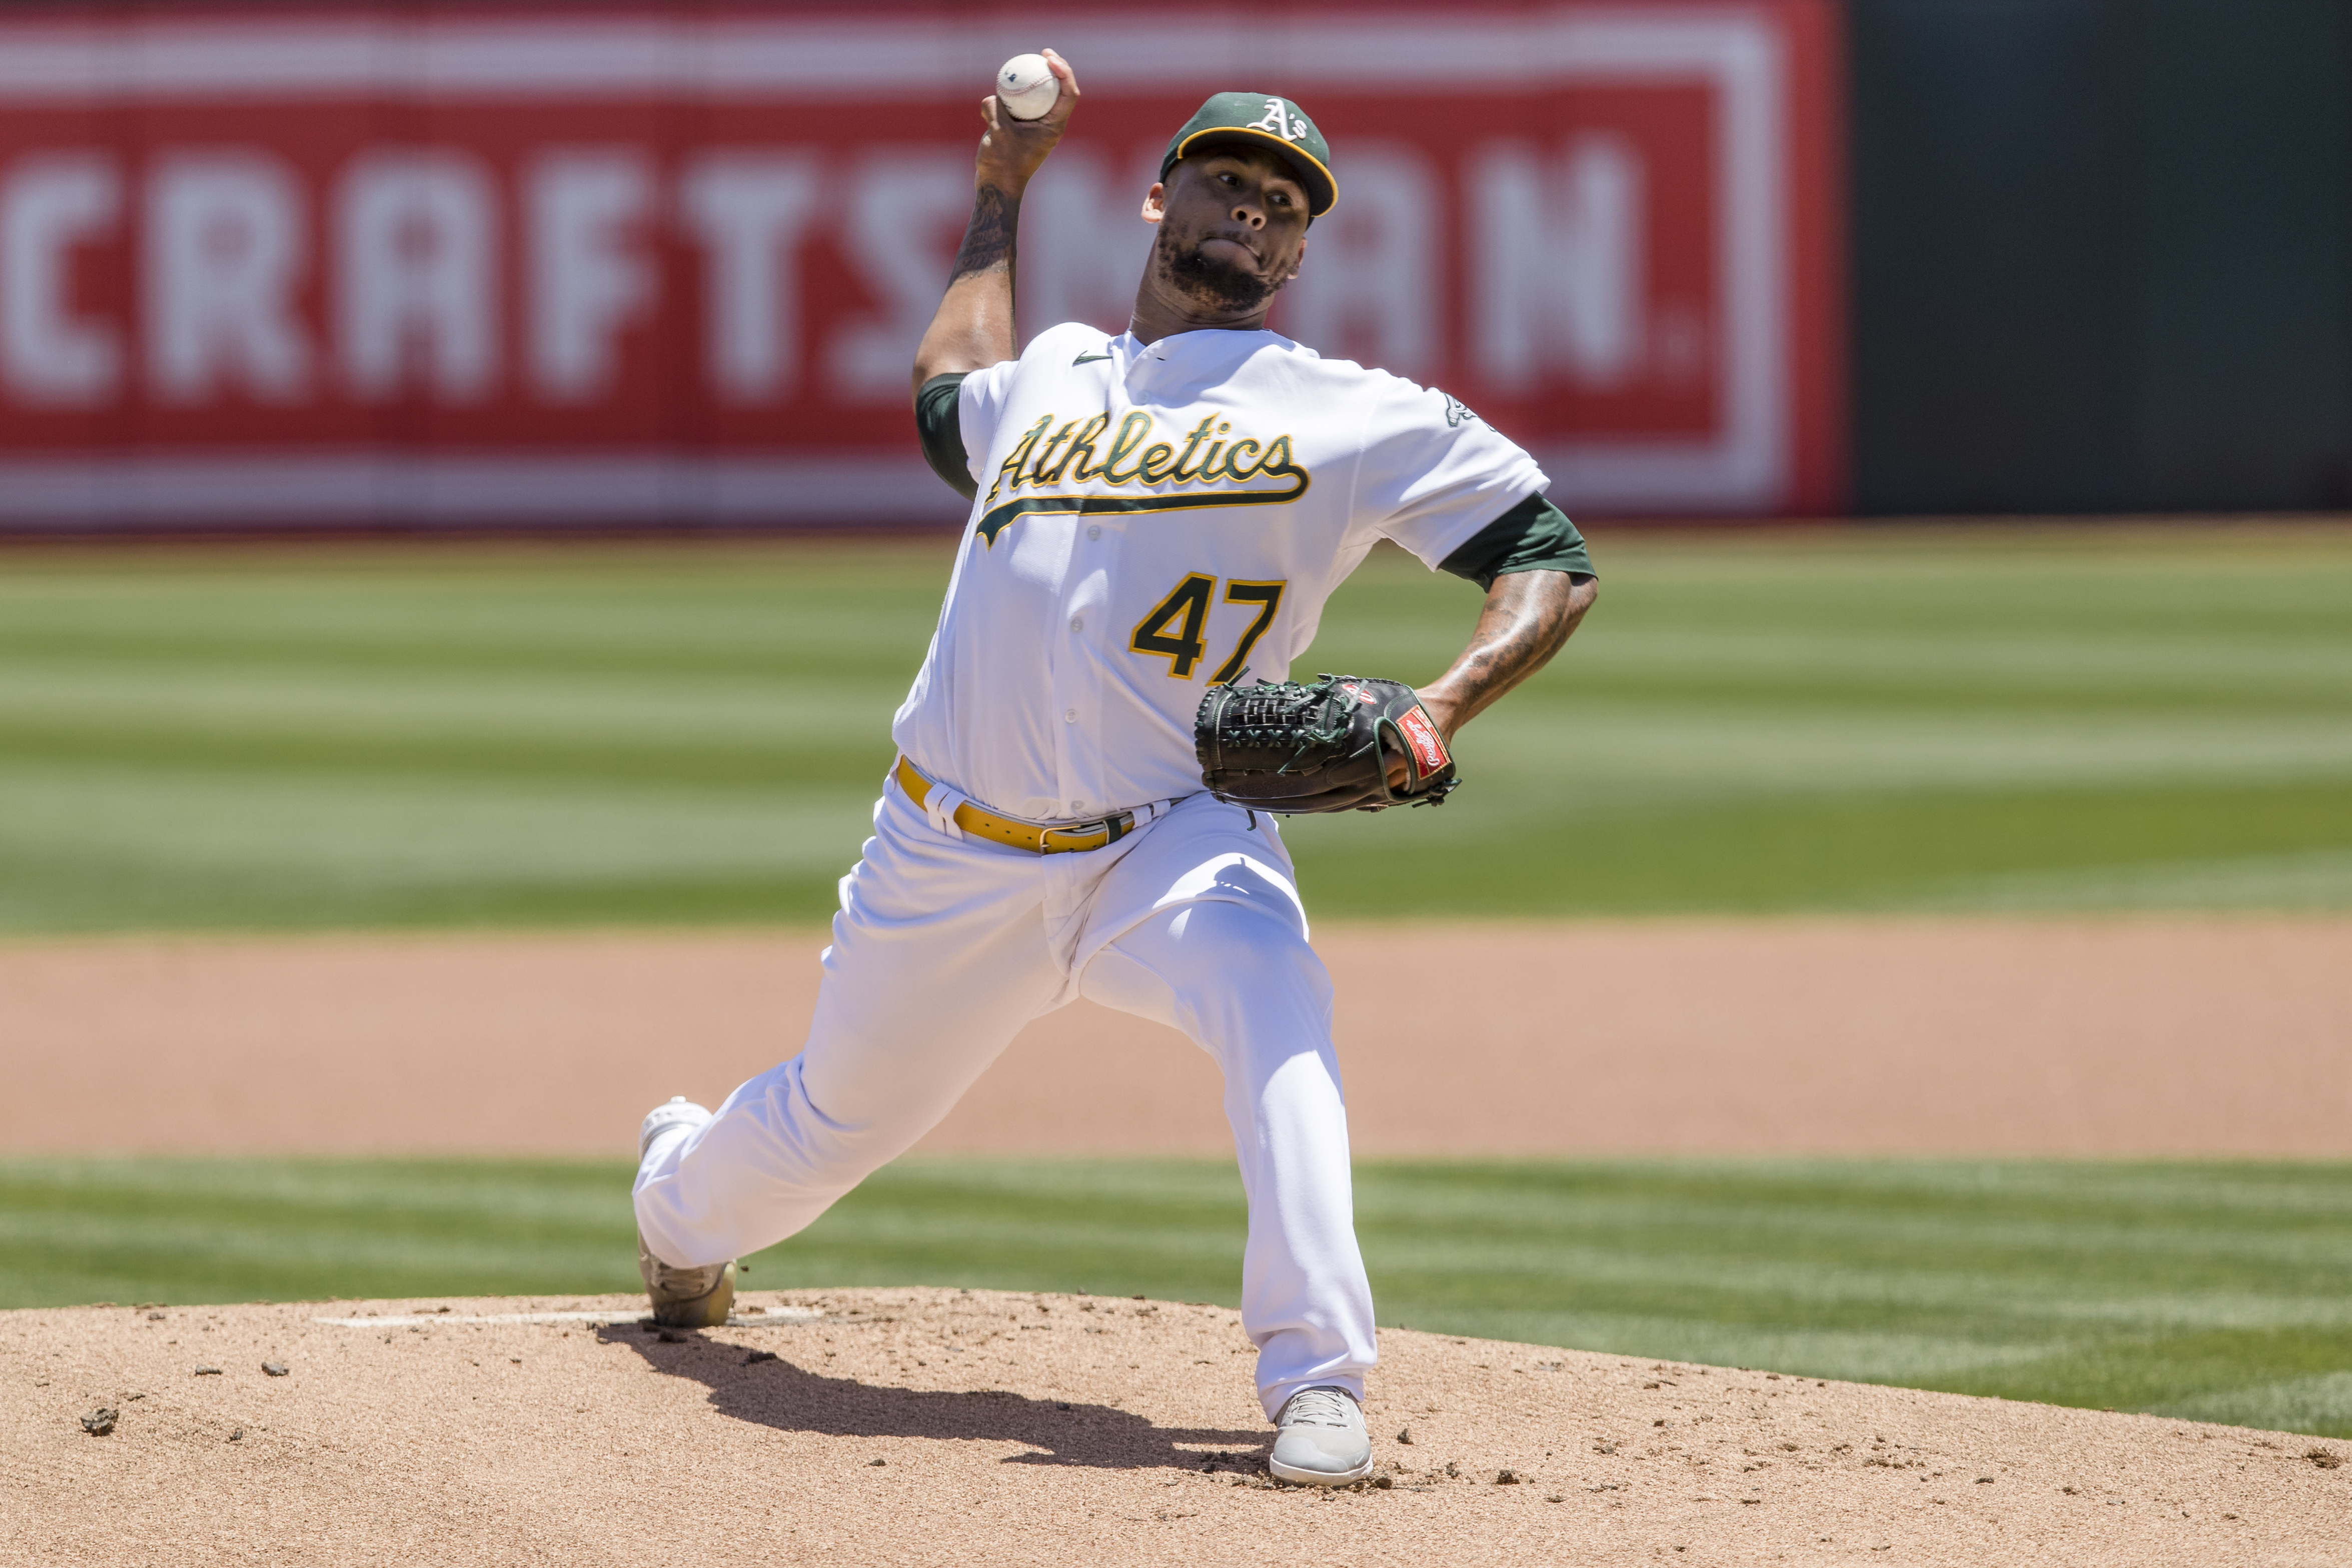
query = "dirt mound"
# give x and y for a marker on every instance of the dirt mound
(924, 1426)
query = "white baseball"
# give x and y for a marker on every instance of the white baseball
(1025, 87)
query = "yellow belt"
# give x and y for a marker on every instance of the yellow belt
(1034, 837)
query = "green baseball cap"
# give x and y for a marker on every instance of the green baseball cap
(1265, 120)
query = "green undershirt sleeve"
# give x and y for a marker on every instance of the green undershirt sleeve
(1534, 536)
(939, 419)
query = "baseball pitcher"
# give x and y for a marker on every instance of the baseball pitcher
(1095, 752)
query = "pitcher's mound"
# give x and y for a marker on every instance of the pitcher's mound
(930, 1427)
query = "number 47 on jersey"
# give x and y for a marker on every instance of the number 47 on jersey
(1175, 628)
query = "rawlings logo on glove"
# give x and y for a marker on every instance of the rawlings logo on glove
(1285, 747)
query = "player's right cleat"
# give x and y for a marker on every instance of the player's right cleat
(680, 1112)
(1320, 1439)
(682, 1298)
(686, 1298)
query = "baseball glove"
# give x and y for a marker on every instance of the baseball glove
(1283, 747)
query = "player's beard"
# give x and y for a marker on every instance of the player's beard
(1222, 285)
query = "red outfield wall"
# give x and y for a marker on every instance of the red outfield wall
(365, 268)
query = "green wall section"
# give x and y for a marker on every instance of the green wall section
(2101, 255)
(1866, 720)
(2214, 1292)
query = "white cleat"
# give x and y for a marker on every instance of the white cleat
(1320, 1439)
(686, 1298)
(680, 1112)
(681, 1298)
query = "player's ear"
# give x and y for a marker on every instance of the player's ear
(1155, 203)
(1300, 265)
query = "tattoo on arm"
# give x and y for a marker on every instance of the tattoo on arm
(988, 239)
(973, 326)
(1528, 617)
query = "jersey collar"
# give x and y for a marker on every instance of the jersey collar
(1205, 343)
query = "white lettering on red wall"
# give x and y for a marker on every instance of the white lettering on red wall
(364, 268)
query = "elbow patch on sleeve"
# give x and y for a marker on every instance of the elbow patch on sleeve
(939, 419)
(1534, 536)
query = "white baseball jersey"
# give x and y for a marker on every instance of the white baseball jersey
(1152, 517)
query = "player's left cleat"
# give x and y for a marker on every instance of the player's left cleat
(1320, 1440)
(682, 1298)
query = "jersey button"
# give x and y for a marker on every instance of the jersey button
(1093, 531)
(1069, 716)
(1077, 622)
(1078, 806)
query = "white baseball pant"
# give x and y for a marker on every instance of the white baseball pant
(946, 945)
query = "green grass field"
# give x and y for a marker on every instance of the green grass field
(2222, 1292)
(1857, 721)
(1870, 720)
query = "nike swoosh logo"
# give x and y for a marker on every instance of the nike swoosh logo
(1088, 359)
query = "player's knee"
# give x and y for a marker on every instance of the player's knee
(1253, 953)
(835, 1125)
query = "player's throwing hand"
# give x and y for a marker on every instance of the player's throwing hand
(1013, 148)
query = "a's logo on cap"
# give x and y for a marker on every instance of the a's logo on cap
(1278, 121)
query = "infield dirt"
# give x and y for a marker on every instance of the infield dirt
(930, 1427)
(2174, 1036)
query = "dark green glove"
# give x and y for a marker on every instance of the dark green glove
(1283, 747)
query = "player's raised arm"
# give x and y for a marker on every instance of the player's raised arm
(973, 327)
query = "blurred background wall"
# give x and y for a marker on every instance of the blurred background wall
(457, 265)
(2101, 255)
(450, 266)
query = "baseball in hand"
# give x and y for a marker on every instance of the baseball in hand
(1025, 87)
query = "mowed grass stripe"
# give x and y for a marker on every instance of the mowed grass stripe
(2218, 1290)
(1870, 719)
(2251, 846)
